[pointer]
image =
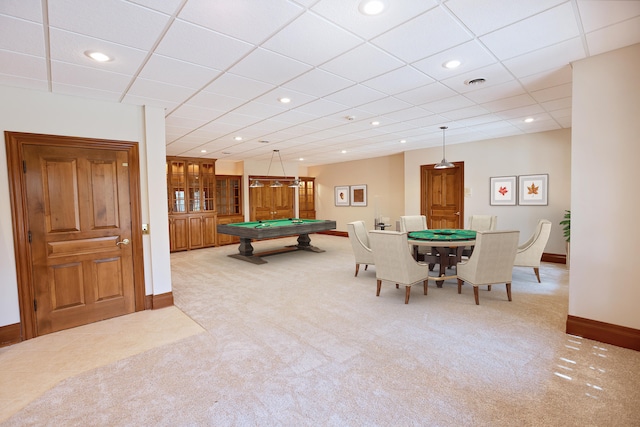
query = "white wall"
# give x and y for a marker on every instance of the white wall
(537, 153)
(605, 229)
(41, 112)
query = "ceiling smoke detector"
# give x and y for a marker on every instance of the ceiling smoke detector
(350, 118)
(474, 82)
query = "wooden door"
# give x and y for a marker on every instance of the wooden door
(178, 232)
(79, 218)
(267, 202)
(442, 196)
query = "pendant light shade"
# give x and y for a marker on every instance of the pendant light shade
(444, 164)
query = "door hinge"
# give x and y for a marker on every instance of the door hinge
(35, 305)
(29, 236)
(24, 166)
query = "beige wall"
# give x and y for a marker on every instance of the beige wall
(41, 112)
(605, 229)
(384, 177)
(536, 153)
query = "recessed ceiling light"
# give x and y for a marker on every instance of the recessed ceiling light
(528, 119)
(375, 123)
(98, 56)
(402, 141)
(238, 138)
(203, 151)
(343, 151)
(474, 82)
(372, 7)
(301, 159)
(284, 100)
(451, 64)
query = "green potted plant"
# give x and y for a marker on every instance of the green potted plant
(566, 230)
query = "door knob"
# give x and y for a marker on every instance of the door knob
(457, 213)
(124, 242)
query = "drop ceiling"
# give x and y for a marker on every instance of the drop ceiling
(219, 68)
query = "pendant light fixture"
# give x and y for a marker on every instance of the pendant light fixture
(444, 164)
(276, 184)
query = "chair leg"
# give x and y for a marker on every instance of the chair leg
(379, 285)
(509, 291)
(537, 271)
(489, 287)
(357, 269)
(424, 284)
(366, 266)
(397, 286)
(475, 294)
(407, 294)
(460, 281)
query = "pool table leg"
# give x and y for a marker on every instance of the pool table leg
(245, 247)
(304, 243)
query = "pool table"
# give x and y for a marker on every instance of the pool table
(258, 230)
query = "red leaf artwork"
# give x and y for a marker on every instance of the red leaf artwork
(503, 190)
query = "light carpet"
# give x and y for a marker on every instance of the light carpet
(300, 341)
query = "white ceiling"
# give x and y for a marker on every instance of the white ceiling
(218, 67)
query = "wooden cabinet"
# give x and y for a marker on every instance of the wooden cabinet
(229, 204)
(306, 198)
(271, 202)
(191, 187)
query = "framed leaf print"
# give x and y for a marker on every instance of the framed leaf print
(503, 191)
(533, 190)
(359, 195)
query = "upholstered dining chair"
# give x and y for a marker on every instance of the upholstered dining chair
(491, 261)
(410, 223)
(359, 238)
(529, 254)
(483, 222)
(394, 262)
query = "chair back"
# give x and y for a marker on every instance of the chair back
(530, 252)
(393, 259)
(492, 258)
(483, 222)
(359, 238)
(413, 223)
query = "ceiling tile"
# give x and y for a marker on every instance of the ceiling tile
(201, 46)
(318, 83)
(21, 36)
(237, 86)
(430, 33)
(111, 20)
(398, 80)
(179, 73)
(472, 55)
(362, 63)
(485, 16)
(533, 33)
(547, 58)
(269, 67)
(346, 14)
(30, 10)
(299, 40)
(614, 37)
(599, 14)
(248, 20)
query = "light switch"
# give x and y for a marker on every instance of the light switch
(145, 228)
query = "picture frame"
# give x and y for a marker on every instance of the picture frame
(533, 190)
(503, 191)
(342, 195)
(358, 195)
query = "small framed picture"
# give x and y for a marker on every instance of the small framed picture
(358, 195)
(533, 190)
(503, 191)
(342, 195)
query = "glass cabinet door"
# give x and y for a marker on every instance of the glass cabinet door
(176, 186)
(207, 186)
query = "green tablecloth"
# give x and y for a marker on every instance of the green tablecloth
(443, 234)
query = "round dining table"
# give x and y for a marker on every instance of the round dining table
(447, 246)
